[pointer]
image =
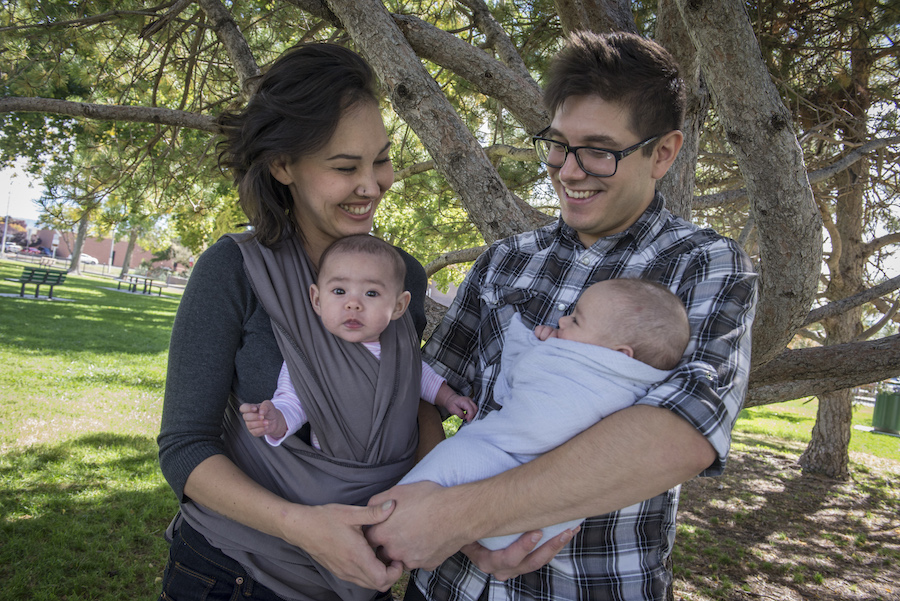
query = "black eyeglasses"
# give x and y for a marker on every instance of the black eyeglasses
(599, 162)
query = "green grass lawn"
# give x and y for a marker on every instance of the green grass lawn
(793, 421)
(82, 502)
(83, 506)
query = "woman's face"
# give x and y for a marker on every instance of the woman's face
(337, 189)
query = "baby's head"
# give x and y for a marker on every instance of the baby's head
(637, 317)
(360, 288)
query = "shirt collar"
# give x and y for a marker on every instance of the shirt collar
(644, 229)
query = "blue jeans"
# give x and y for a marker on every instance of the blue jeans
(197, 571)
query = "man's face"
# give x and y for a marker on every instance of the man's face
(600, 206)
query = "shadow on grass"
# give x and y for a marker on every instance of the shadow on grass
(766, 530)
(83, 519)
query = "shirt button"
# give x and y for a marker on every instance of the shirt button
(561, 307)
(585, 261)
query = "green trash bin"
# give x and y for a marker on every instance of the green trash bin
(886, 417)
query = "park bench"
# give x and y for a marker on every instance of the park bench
(132, 282)
(39, 277)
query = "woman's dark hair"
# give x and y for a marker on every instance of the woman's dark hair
(294, 111)
(625, 69)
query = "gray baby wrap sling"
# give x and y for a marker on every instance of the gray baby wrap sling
(362, 410)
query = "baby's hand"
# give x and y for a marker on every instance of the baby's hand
(461, 406)
(264, 419)
(545, 332)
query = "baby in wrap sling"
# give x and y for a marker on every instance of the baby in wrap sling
(364, 411)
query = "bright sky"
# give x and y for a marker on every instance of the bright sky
(18, 192)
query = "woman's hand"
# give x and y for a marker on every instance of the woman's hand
(333, 536)
(520, 557)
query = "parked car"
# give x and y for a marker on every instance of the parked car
(30, 250)
(88, 259)
(12, 247)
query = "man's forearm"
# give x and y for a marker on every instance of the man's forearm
(628, 457)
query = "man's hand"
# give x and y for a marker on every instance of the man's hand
(518, 558)
(422, 531)
(414, 536)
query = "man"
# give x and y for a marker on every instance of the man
(617, 104)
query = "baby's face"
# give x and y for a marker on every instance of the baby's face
(589, 322)
(356, 296)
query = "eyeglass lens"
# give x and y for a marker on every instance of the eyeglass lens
(596, 162)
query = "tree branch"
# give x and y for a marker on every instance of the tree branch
(882, 241)
(596, 15)
(104, 112)
(814, 371)
(452, 258)
(845, 304)
(175, 10)
(498, 39)
(885, 319)
(727, 197)
(228, 31)
(494, 151)
(520, 95)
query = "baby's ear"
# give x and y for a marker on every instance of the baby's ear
(314, 299)
(624, 349)
(402, 304)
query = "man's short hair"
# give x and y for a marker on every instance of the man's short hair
(370, 245)
(624, 69)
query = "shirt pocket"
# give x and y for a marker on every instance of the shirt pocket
(499, 304)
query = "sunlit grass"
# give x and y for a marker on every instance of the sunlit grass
(794, 420)
(83, 505)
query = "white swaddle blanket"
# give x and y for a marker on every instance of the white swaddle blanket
(550, 391)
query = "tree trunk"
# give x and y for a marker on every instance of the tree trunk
(83, 222)
(827, 452)
(759, 130)
(678, 184)
(132, 241)
(829, 449)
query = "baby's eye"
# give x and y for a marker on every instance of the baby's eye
(338, 291)
(372, 293)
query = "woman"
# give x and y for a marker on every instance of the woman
(310, 159)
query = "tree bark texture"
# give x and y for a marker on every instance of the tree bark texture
(829, 447)
(678, 184)
(759, 130)
(228, 31)
(595, 15)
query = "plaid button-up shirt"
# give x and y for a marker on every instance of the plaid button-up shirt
(540, 274)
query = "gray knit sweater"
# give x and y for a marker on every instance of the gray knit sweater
(222, 341)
